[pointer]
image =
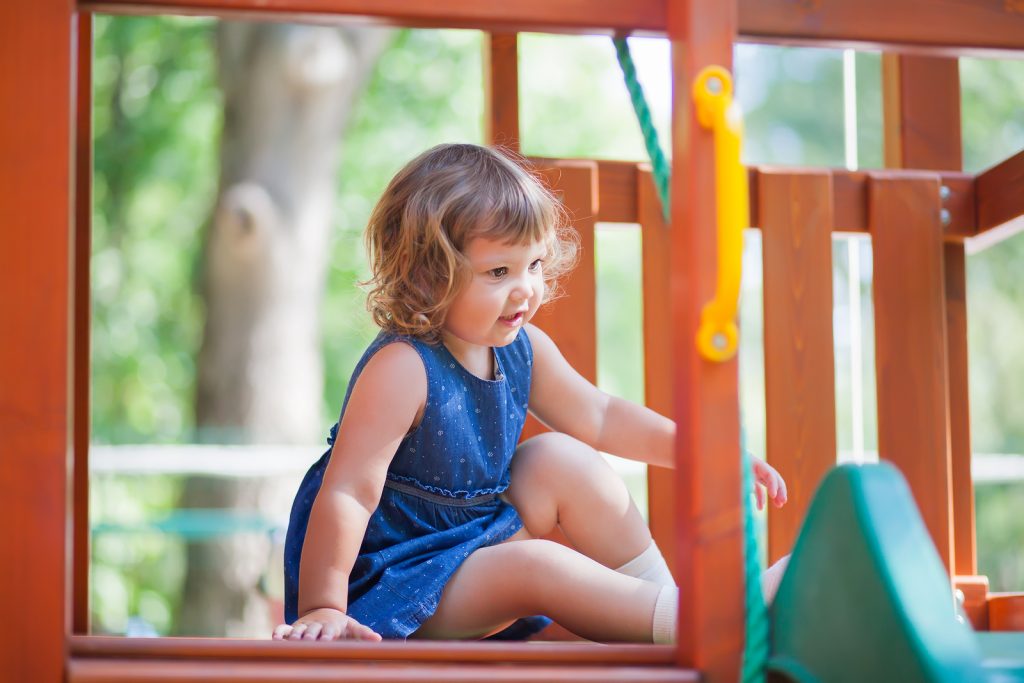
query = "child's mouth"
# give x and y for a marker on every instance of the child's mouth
(513, 320)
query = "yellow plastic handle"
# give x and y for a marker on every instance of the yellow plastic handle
(718, 336)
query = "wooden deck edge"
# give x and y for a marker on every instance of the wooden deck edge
(84, 647)
(113, 670)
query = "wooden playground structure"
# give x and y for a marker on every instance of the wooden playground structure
(918, 212)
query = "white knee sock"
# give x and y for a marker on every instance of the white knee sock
(649, 566)
(666, 614)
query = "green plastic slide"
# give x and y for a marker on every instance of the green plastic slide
(866, 597)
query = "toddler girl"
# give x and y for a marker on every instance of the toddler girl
(426, 516)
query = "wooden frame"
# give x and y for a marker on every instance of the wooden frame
(969, 26)
(44, 194)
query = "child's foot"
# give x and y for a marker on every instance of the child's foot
(771, 578)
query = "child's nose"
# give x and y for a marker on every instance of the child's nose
(522, 291)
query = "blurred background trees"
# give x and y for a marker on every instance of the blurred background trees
(169, 148)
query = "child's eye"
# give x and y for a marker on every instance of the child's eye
(498, 273)
(535, 266)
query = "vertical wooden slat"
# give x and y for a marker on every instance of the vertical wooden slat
(82, 299)
(922, 131)
(921, 107)
(36, 136)
(501, 89)
(655, 239)
(709, 547)
(572, 319)
(911, 362)
(795, 217)
(964, 538)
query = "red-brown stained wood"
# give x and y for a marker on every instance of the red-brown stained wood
(1000, 192)
(965, 551)
(911, 361)
(109, 647)
(964, 26)
(571, 320)
(922, 112)
(934, 26)
(168, 671)
(921, 106)
(556, 16)
(850, 201)
(36, 136)
(501, 89)
(1006, 611)
(799, 364)
(975, 592)
(656, 243)
(709, 547)
(82, 306)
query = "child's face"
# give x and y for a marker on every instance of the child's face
(504, 290)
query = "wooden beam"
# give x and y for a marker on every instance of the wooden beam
(921, 106)
(617, 195)
(82, 296)
(928, 26)
(850, 200)
(709, 548)
(949, 27)
(799, 362)
(1000, 193)
(552, 16)
(658, 361)
(911, 359)
(501, 90)
(186, 671)
(247, 649)
(36, 179)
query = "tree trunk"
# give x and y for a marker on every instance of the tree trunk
(288, 92)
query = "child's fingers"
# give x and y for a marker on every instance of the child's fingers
(361, 632)
(281, 631)
(330, 632)
(312, 631)
(759, 496)
(782, 496)
(297, 630)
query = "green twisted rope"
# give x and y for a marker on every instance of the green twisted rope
(662, 173)
(756, 644)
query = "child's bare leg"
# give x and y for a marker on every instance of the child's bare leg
(499, 584)
(558, 480)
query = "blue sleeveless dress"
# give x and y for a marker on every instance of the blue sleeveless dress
(441, 500)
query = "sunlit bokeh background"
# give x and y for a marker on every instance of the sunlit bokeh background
(157, 121)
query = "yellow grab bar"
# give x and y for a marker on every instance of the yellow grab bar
(718, 336)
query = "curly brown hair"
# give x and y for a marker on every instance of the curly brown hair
(427, 216)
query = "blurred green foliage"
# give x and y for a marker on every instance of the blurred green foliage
(157, 117)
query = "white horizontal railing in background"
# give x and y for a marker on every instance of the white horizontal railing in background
(270, 461)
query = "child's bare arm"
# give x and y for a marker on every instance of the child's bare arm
(386, 401)
(565, 401)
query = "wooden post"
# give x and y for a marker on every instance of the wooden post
(501, 89)
(922, 130)
(658, 361)
(709, 547)
(796, 217)
(82, 300)
(37, 66)
(911, 360)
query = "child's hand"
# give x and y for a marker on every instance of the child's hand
(768, 479)
(325, 624)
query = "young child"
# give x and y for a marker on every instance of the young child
(426, 516)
